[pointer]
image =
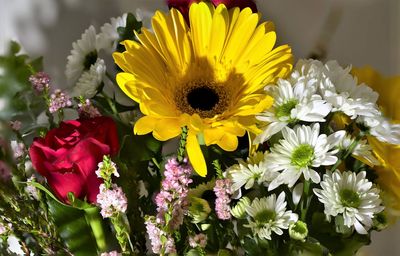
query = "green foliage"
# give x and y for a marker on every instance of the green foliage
(136, 148)
(73, 223)
(132, 25)
(15, 87)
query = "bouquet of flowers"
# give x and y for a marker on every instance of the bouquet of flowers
(224, 144)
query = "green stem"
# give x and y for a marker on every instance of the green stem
(182, 145)
(306, 200)
(348, 151)
(93, 218)
(111, 104)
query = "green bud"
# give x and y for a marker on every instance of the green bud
(199, 209)
(239, 210)
(298, 230)
(204, 227)
(380, 221)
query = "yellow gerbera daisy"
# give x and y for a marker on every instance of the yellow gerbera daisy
(208, 77)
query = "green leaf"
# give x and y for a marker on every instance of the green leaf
(193, 252)
(132, 24)
(135, 148)
(73, 228)
(14, 47)
(74, 225)
(225, 252)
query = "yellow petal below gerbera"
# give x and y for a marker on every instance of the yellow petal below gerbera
(144, 125)
(195, 154)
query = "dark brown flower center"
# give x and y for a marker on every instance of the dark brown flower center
(204, 98)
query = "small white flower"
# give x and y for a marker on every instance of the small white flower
(352, 196)
(382, 129)
(362, 151)
(247, 173)
(108, 37)
(268, 214)
(90, 80)
(339, 88)
(14, 245)
(30, 189)
(299, 151)
(299, 102)
(83, 55)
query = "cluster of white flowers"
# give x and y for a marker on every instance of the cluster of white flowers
(304, 146)
(85, 70)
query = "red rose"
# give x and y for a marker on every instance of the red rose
(68, 156)
(183, 5)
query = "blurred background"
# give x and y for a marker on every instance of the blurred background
(357, 32)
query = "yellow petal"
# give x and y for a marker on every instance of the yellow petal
(213, 136)
(195, 154)
(200, 16)
(228, 142)
(123, 81)
(167, 128)
(145, 125)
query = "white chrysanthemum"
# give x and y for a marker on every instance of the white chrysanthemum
(382, 129)
(83, 55)
(339, 88)
(268, 214)
(301, 149)
(108, 37)
(90, 80)
(299, 102)
(362, 151)
(246, 173)
(352, 196)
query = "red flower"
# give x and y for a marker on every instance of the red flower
(183, 5)
(68, 156)
(237, 3)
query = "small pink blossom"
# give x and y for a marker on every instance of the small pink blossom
(18, 149)
(175, 188)
(87, 110)
(15, 125)
(223, 191)
(155, 234)
(5, 172)
(111, 201)
(59, 100)
(40, 82)
(199, 240)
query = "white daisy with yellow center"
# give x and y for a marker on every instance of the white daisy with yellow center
(268, 214)
(300, 150)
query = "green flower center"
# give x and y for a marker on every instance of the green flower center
(349, 198)
(265, 216)
(90, 59)
(302, 156)
(285, 109)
